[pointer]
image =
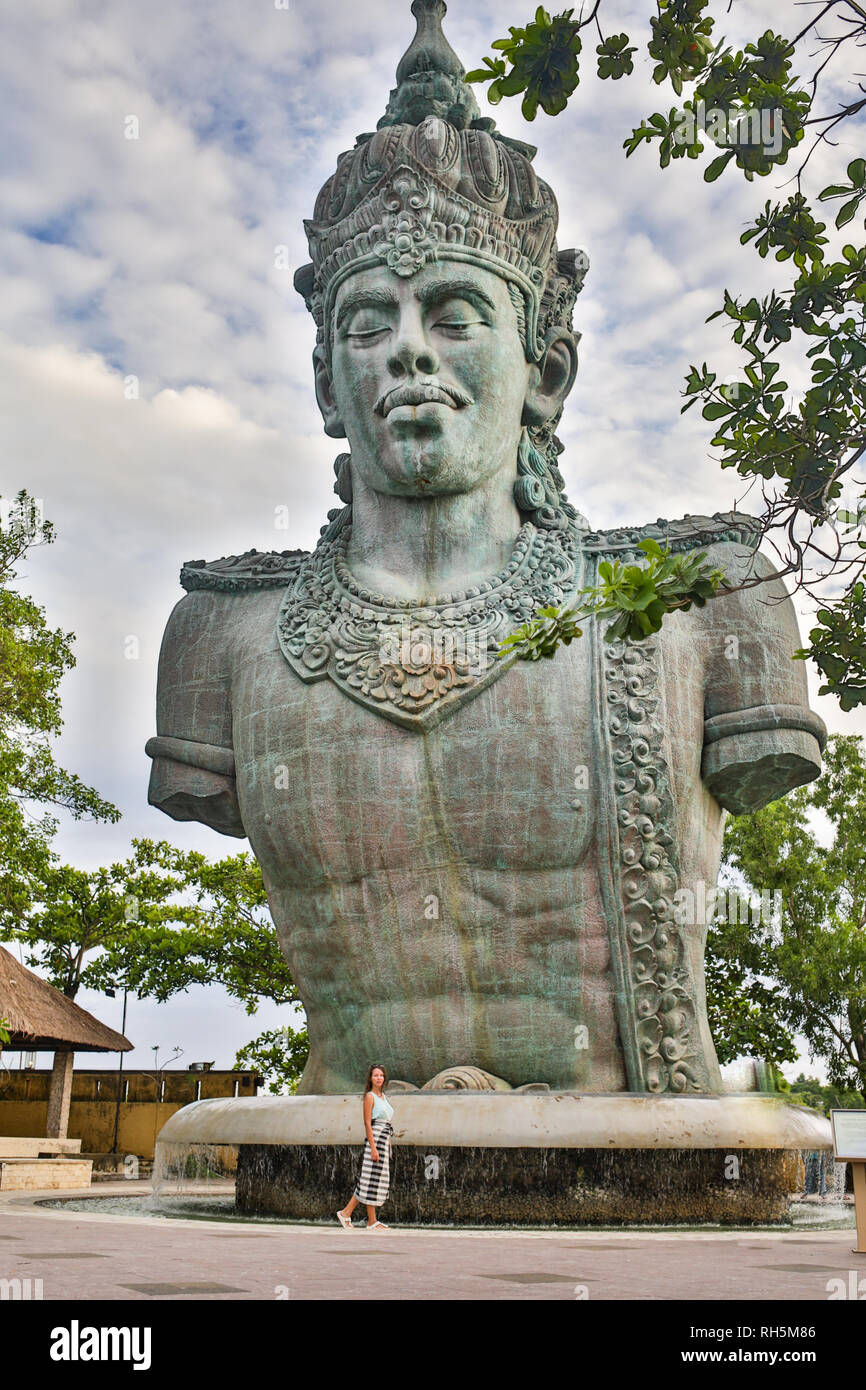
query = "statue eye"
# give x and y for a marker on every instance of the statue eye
(366, 324)
(365, 333)
(458, 316)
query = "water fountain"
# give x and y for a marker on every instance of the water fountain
(538, 1159)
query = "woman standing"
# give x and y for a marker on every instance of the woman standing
(374, 1179)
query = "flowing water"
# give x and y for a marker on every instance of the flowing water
(826, 1217)
(195, 1182)
(178, 1169)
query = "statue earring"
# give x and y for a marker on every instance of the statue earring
(530, 492)
(343, 485)
(538, 487)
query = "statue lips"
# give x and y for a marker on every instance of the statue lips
(421, 393)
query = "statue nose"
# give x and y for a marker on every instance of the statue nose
(413, 355)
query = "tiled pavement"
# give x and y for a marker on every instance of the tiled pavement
(83, 1256)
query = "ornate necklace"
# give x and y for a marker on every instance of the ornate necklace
(414, 661)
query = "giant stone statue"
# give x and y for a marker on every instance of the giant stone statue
(474, 862)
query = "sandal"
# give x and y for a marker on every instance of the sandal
(376, 1225)
(344, 1220)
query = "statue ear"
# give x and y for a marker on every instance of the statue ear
(325, 396)
(552, 378)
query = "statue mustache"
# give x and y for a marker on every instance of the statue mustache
(419, 393)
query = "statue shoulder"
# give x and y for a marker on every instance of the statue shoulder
(255, 569)
(193, 765)
(685, 533)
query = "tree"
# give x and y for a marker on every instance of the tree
(636, 597)
(279, 1056)
(156, 924)
(809, 963)
(742, 1009)
(33, 660)
(753, 106)
(808, 1090)
(78, 920)
(222, 932)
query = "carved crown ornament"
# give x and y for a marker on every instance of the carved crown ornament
(412, 216)
(407, 243)
(438, 180)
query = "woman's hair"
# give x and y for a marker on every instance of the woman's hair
(376, 1066)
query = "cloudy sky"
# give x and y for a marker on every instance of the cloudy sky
(156, 258)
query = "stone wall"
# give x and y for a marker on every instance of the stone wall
(24, 1104)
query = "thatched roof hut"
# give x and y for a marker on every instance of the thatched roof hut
(41, 1019)
(38, 1018)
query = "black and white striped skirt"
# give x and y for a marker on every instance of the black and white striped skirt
(374, 1179)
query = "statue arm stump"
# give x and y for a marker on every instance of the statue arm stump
(193, 772)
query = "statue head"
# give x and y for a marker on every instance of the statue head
(445, 347)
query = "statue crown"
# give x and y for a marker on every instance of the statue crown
(436, 179)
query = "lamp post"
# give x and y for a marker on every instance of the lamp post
(178, 1052)
(111, 994)
(130, 915)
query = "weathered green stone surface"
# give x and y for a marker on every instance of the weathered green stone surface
(472, 862)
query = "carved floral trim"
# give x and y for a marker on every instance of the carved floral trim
(257, 569)
(660, 1026)
(685, 533)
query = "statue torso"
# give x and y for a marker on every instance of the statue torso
(439, 883)
(496, 888)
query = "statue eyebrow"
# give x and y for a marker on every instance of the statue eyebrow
(448, 289)
(359, 299)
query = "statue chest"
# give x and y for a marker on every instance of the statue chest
(332, 792)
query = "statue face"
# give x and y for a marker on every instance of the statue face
(428, 378)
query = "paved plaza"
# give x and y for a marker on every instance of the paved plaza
(83, 1256)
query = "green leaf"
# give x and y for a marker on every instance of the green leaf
(848, 211)
(512, 85)
(716, 166)
(651, 547)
